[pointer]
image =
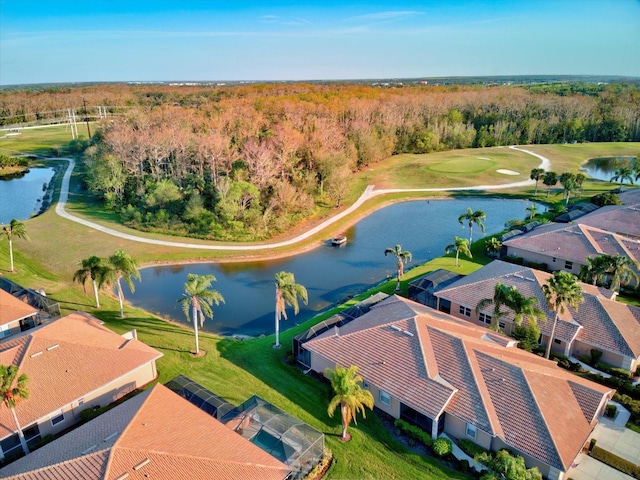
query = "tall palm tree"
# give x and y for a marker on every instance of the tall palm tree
(493, 246)
(570, 185)
(502, 295)
(13, 391)
(621, 174)
(561, 291)
(97, 270)
(15, 229)
(287, 293)
(622, 270)
(550, 179)
(595, 268)
(525, 308)
(477, 217)
(349, 395)
(123, 267)
(536, 174)
(199, 297)
(460, 245)
(402, 257)
(636, 169)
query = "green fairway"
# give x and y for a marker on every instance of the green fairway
(37, 141)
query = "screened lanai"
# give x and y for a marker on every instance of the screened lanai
(200, 396)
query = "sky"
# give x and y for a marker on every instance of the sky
(196, 40)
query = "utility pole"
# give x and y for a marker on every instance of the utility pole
(86, 117)
(72, 123)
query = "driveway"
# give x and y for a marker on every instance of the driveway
(611, 435)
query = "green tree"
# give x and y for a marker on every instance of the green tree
(122, 267)
(595, 268)
(561, 291)
(402, 257)
(623, 174)
(93, 268)
(460, 245)
(570, 185)
(15, 229)
(287, 293)
(622, 270)
(502, 295)
(504, 466)
(536, 174)
(532, 209)
(492, 246)
(349, 395)
(13, 391)
(525, 308)
(550, 179)
(471, 217)
(199, 297)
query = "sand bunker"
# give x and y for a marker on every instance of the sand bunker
(507, 172)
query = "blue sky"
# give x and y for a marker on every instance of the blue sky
(140, 40)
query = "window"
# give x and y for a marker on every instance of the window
(568, 265)
(471, 430)
(465, 311)
(484, 318)
(365, 384)
(554, 259)
(58, 418)
(385, 397)
(557, 340)
(502, 325)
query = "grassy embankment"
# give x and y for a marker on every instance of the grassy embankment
(235, 369)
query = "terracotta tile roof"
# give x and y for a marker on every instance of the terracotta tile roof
(65, 360)
(12, 309)
(524, 399)
(161, 436)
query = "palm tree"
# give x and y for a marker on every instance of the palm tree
(621, 174)
(536, 174)
(472, 217)
(622, 271)
(351, 397)
(123, 267)
(525, 308)
(493, 246)
(561, 290)
(570, 185)
(460, 245)
(402, 256)
(13, 394)
(502, 295)
(595, 268)
(15, 229)
(532, 209)
(636, 169)
(199, 297)
(549, 179)
(287, 293)
(93, 268)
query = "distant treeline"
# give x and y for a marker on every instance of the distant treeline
(246, 162)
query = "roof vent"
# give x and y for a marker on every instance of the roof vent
(122, 477)
(142, 464)
(53, 347)
(36, 354)
(396, 328)
(106, 439)
(407, 333)
(88, 449)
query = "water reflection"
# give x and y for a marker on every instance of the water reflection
(603, 168)
(330, 274)
(23, 196)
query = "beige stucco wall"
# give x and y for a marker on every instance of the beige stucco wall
(547, 471)
(559, 264)
(456, 427)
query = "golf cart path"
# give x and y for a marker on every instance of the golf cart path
(366, 195)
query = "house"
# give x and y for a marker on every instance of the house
(15, 315)
(567, 246)
(73, 363)
(448, 375)
(599, 322)
(156, 434)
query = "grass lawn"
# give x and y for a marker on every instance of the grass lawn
(37, 141)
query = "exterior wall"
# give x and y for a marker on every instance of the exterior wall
(562, 348)
(475, 317)
(614, 359)
(456, 427)
(101, 397)
(558, 264)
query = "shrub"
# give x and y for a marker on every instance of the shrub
(90, 413)
(596, 355)
(592, 443)
(610, 410)
(413, 432)
(608, 458)
(442, 446)
(638, 371)
(470, 448)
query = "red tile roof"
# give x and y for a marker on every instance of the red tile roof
(164, 437)
(522, 398)
(12, 309)
(66, 360)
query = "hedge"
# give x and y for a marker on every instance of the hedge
(470, 448)
(614, 461)
(414, 432)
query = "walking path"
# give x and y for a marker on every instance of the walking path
(367, 194)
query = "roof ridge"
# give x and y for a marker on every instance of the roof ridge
(431, 367)
(613, 320)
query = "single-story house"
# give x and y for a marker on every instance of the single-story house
(448, 375)
(600, 322)
(156, 434)
(72, 363)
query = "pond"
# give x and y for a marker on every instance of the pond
(22, 196)
(330, 274)
(604, 168)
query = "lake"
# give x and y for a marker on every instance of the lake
(330, 274)
(22, 196)
(604, 168)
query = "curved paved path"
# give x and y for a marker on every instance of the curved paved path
(366, 195)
